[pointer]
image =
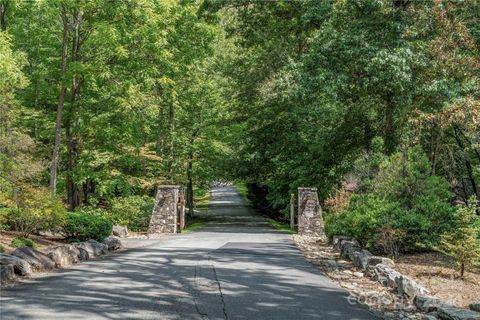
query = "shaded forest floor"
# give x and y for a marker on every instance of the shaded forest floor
(437, 273)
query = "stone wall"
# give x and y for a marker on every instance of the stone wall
(164, 216)
(310, 220)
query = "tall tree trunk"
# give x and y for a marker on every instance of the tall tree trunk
(60, 107)
(73, 192)
(468, 165)
(171, 127)
(3, 14)
(190, 183)
(160, 133)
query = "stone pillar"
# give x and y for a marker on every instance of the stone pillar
(164, 216)
(310, 220)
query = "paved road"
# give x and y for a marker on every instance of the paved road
(237, 267)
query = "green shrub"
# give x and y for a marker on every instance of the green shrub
(362, 219)
(32, 211)
(133, 211)
(19, 242)
(2, 248)
(82, 226)
(404, 207)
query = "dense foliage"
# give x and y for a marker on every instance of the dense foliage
(82, 226)
(374, 102)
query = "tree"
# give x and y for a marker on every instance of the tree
(463, 243)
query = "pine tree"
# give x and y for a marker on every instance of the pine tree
(463, 243)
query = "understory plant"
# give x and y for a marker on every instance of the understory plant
(463, 243)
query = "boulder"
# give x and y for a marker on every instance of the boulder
(20, 266)
(93, 247)
(113, 243)
(453, 313)
(39, 261)
(386, 275)
(348, 247)
(427, 304)
(336, 242)
(430, 316)
(64, 255)
(360, 258)
(120, 231)
(375, 260)
(475, 307)
(7, 273)
(391, 276)
(409, 288)
(82, 254)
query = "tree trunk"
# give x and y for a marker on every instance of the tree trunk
(160, 133)
(468, 165)
(60, 107)
(171, 126)
(73, 192)
(3, 14)
(190, 183)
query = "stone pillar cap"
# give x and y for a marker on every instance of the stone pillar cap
(169, 186)
(307, 188)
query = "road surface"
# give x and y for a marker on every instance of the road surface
(237, 267)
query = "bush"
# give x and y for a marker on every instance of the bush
(133, 211)
(403, 208)
(362, 219)
(34, 210)
(20, 242)
(82, 226)
(2, 248)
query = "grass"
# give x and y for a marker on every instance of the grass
(202, 198)
(284, 227)
(19, 242)
(194, 226)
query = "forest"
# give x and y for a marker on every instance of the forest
(374, 102)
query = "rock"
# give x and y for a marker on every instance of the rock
(113, 243)
(430, 316)
(475, 307)
(374, 260)
(336, 242)
(360, 258)
(20, 266)
(120, 231)
(453, 313)
(64, 255)
(358, 274)
(409, 287)
(428, 303)
(39, 261)
(93, 247)
(7, 273)
(385, 275)
(348, 247)
(82, 253)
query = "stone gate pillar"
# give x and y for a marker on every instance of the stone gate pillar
(164, 216)
(310, 220)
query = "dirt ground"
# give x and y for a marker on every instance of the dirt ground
(42, 241)
(437, 273)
